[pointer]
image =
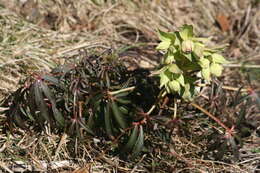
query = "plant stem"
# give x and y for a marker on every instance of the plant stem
(121, 91)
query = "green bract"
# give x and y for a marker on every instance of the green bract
(186, 60)
(167, 39)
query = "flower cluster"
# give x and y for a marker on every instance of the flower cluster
(186, 60)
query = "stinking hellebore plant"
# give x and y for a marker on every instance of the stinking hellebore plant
(187, 60)
(99, 96)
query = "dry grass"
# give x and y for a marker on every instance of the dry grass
(38, 36)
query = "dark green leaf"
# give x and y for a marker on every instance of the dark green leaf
(124, 110)
(139, 142)
(85, 127)
(53, 80)
(47, 92)
(118, 115)
(122, 94)
(16, 114)
(132, 140)
(108, 120)
(57, 114)
(40, 102)
(123, 101)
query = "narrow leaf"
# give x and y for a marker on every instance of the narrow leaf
(122, 94)
(132, 140)
(139, 143)
(123, 109)
(123, 101)
(85, 127)
(57, 114)
(53, 80)
(108, 118)
(40, 103)
(118, 115)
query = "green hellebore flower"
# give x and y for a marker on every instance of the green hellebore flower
(187, 46)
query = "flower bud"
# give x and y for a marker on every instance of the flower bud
(174, 86)
(187, 46)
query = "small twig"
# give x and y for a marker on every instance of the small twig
(151, 110)
(230, 131)
(5, 167)
(175, 108)
(179, 157)
(121, 91)
(62, 141)
(41, 166)
(134, 169)
(3, 147)
(154, 106)
(226, 88)
(80, 46)
(218, 162)
(4, 108)
(122, 133)
(249, 160)
(241, 66)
